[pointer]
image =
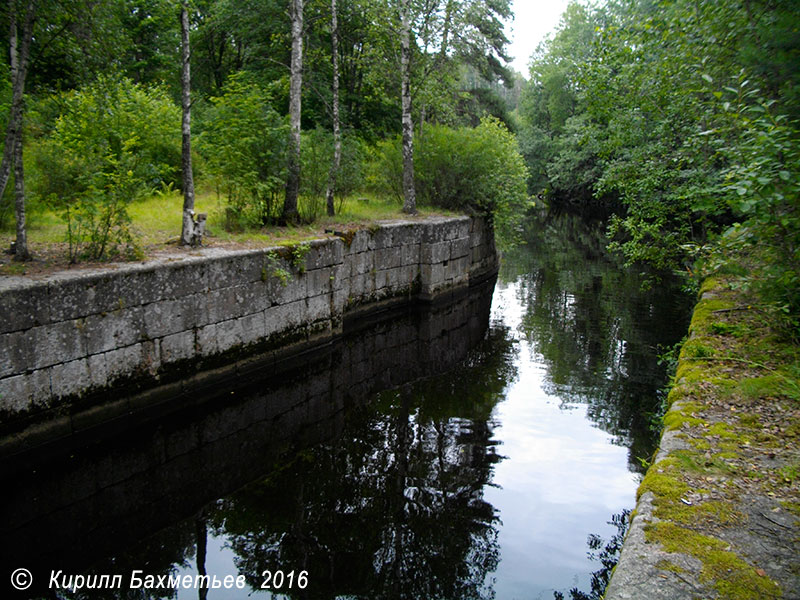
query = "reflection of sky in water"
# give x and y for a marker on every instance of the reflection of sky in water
(562, 479)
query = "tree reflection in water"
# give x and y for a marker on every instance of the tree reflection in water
(608, 557)
(394, 508)
(596, 329)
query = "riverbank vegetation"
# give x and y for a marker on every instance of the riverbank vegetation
(681, 120)
(100, 121)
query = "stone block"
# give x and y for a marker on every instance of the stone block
(16, 354)
(233, 302)
(126, 361)
(98, 373)
(409, 274)
(236, 269)
(70, 378)
(123, 289)
(431, 274)
(340, 276)
(56, 343)
(181, 279)
(339, 303)
(456, 268)
(39, 388)
(433, 253)
(459, 228)
(324, 253)
(389, 280)
(71, 298)
(318, 308)
(404, 234)
(361, 263)
(24, 307)
(318, 282)
(228, 334)
(14, 395)
(381, 238)
(175, 347)
(360, 242)
(119, 328)
(252, 328)
(207, 340)
(460, 247)
(409, 254)
(293, 290)
(284, 316)
(171, 316)
(388, 258)
(361, 286)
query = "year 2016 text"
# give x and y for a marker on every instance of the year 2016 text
(278, 580)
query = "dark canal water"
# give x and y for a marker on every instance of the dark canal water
(466, 451)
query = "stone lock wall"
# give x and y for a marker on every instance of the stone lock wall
(78, 333)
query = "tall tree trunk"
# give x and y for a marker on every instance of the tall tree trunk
(186, 128)
(295, 88)
(337, 134)
(21, 245)
(409, 192)
(12, 151)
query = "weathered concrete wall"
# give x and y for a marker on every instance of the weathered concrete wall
(76, 335)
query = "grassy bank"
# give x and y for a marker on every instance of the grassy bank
(157, 226)
(727, 483)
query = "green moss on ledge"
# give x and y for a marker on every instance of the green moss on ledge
(732, 577)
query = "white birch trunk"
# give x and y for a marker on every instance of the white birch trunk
(337, 135)
(409, 191)
(187, 230)
(290, 213)
(12, 152)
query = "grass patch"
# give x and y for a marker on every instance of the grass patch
(157, 221)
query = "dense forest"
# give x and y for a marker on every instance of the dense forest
(286, 98)
(677, 120)
(680, 120)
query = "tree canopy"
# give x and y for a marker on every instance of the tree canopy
(681, 119)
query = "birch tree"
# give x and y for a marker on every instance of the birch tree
(337, 135)
(186, 129)
(12, 152)
(290, 213)
(409, 191)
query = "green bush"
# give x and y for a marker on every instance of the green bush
(762, 187)
(475, 170)
(244, 143)
(113, 142)
(316, 157)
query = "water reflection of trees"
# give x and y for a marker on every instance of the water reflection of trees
(594, 327)
(394, 508)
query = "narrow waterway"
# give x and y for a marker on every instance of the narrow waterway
(468, 451)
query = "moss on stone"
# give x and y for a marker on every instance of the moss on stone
(666, 565)
(663, 480)
(731, 576)
(675, 419)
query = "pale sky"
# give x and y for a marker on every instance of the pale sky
(533, 20)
